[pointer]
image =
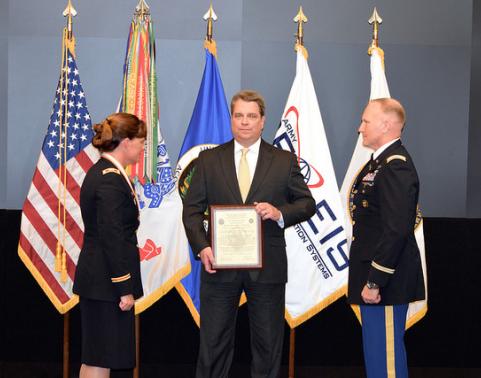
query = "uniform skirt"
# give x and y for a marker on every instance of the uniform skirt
(108, 334)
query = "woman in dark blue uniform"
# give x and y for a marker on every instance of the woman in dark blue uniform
(107, 278)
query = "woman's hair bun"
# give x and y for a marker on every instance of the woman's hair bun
(103, 135)
(110, 132)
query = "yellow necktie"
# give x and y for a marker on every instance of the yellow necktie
(244, 176)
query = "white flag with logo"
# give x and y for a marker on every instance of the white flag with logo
(380, 89)
(316, 249)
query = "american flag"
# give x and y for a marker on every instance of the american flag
(51, 231)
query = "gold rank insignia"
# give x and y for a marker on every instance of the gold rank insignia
(365, 203)
(110, 170)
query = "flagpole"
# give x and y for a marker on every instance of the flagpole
(142, 11)
(375, 21)
(209, 42)
(418, 309)
(209, 17)
(209, 126)
(137, 346)
(66, 345)
(292, 351)
(68, 43)
(300, 19)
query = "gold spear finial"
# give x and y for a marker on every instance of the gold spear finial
(210, 17)
(300, 19)
(142, 10)
(375, 21)
(209, 42)
(68, 45)
(69, 12)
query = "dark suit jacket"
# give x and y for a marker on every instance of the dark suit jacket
(384, 202)
(109, 263)
(277, 180)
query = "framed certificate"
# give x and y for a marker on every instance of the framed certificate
(236, 237)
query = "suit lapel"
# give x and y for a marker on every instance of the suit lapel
(228, 167)
(264, 161)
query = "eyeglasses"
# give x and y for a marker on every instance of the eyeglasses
(250, 116)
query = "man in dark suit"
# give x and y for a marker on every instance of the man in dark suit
(385, 272)
(246, 170)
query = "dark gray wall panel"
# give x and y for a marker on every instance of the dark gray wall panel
(3, 100)
(4, 6)
(427, 66)
(428, 62)
(181, 65)
(432, 82)
(181, 19)
(473, 204)
(427, 22)
(3, 117)
(341, 78)
(34, 66)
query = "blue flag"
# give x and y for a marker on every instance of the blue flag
(208, 127)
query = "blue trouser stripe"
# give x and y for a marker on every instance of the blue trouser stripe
(375, 338)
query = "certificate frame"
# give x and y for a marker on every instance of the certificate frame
(236, 237)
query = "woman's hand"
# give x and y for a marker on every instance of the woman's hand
(126, 302)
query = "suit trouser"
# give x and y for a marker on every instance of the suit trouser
(218, 313)
(383, 340)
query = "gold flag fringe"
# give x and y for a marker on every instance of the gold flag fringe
(211, 46)
(303, 50)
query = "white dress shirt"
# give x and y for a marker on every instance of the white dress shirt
(251, 156)
(381, 149)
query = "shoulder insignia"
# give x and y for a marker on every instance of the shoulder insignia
(110, 170)
(396, 157)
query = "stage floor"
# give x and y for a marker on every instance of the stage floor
(50, 370)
